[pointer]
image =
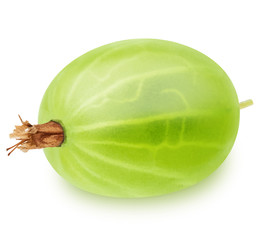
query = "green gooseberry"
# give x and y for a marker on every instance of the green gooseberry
(136, 118)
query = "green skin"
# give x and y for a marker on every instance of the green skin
(141, 118)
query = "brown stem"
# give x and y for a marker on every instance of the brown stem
(38, 136)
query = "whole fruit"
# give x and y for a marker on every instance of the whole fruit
(140, 118)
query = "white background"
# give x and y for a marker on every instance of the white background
(38, 38)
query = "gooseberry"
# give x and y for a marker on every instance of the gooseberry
(136, 118)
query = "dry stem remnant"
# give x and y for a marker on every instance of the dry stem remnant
(38, 136)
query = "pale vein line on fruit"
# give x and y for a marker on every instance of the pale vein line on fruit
(75, 170)
(126, 60)
(133, 121)
(131, 99)
(94, 174)
(98, 79)
(118, 65)
(135, 97)
(177, 92)
(131, 78)
(91, 66)
(187, 106)
(158, 146)
(120, 164)
(75, 84)
(114, 49)
(124, 81)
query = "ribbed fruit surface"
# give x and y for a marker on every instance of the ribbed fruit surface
(141, 118)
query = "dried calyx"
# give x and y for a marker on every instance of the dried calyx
(38, 136)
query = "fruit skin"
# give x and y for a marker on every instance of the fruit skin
(141, 117)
